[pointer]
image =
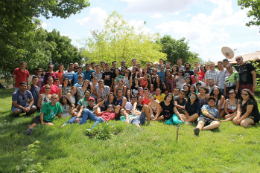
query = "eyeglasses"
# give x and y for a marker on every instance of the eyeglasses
(192, 97)
(87, 93)
(110, 107)
(238, 59)
(231, 93)
(245, 94)
(47, 88)
(180, 71)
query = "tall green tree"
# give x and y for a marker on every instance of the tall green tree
(20, 36)
(120, 41)
(254, 10)
(176, 49)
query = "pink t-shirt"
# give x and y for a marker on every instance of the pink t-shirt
(193, 80)
(54, 90)
(145, 101)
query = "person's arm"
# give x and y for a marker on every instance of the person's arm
(177, 113)
(59, 115)
(178, 106)
(237, 87)
(159, 110)
(220, 103)
(31, 102)
(80, 111)
(134, 109)
(254, 79)
(68, 97)
(225, 90)
(14, 78)
(99, 93)
(217, 83)
(130, 83)
(60, 92)
(18, 106)
(124, 87)
(225, 106)
(206, 113)
(41, 118)
(39, 103)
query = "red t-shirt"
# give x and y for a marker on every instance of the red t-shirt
(203, 75)
(59, 75)
(53, 75)
(54, 90)
(20, 76)
(145, 101)
(108, 115)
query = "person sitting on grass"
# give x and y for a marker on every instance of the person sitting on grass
(208, 119)
(230, 106)
(20, 98)
(192, 109)
(66, 106)
(35, 90)
(78, 118)
(168, 111)
(45, 97)
(136, 119)
(48, 112)
(180, 101)
(247, 110)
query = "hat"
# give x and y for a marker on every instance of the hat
(91, 98)
(155, 63)
(128, 106)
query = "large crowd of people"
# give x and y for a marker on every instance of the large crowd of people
(157, 92)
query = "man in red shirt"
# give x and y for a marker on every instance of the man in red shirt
(146, 99)
(21, 75)
(54, 88)
(60, 72)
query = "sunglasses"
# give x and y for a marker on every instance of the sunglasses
(110, 107)
(87, 93)
(192, 97)
(230, 93)
(47, 88)
(245, 94)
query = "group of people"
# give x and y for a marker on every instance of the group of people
(176, 94)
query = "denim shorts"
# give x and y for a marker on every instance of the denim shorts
(140, 119)
(15, 108)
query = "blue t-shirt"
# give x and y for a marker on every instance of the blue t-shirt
(212, 111)
(162, 75)
(75, 77)
(78, 85)
(22, 98)
(68, 75)
(87, 75)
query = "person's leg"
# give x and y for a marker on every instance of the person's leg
(16, 113)
(221, 113)
(146, 112)
(159, 118)
(175, 119)
(98, 120)
(235, 120)
(85, 116)
(213, 125)
(170, 121)
(192, 118)
(32, 110)
(229, 118)
(200, 125)
(32, 126)
(247, 122)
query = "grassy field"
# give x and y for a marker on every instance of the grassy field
(229, 148)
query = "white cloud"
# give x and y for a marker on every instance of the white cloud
(95, 20)
(67, 35)
(139, 26)
(156, 6)
(44, 25)
(156, 15)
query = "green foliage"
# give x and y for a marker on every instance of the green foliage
(257, 71)
(104, 131)
(28, 158)
(176, 49)
(229, 148)
(254, 10)
(118, 40)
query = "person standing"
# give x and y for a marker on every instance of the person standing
(221, 76)
(60, 72)
(123, 63)
(49, 73)
(180, 66)
(20, 75)
(161, 73)
(212, 73)
(19, 101)
(133, 64)
(97, 73)
(88, 72)
(188, 72)
(247, 75)
(149, 68)
(76, 75)
(69, 73)
(231, 81)
(40, 76)
(35, 90)
(108, 76)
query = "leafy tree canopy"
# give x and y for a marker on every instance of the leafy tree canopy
(254, 6)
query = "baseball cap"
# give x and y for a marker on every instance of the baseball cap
(91, 98)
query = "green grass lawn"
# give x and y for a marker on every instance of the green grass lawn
(229, 148)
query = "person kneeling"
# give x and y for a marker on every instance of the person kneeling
(48, 112)
(208, 117)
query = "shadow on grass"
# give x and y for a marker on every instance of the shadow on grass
(4, 93)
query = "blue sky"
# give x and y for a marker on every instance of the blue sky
(208, 25)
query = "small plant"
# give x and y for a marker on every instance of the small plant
(27, 160)
(104, 131)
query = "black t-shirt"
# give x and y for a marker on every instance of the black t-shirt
(184, 101)
(188, 73)
(245, 75)
(167, 111)
(255, 112)
(134, 90)
(91, 108)
(109, 81)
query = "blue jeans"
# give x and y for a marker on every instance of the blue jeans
(89, 115)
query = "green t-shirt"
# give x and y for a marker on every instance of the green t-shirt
(83, 103)
(50, 111)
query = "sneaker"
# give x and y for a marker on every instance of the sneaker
(196, 131)
(28, 132)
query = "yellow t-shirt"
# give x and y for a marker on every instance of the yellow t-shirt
(159, 98)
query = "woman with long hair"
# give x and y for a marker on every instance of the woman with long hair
(169, 78)
(188, 81)
(218, 95)
(175, 70)
(230, 105)
(44, 97)
(159, 84)
(128, 95)
(144, 81)
(203, 96)
(123, 70)
(73, 96)
(65, 87)
(247, 110)
(135, 73)
(66, 106)
(40, 76)
(180, 79)
(192, 109)
(187, 89)
(151, 89)
(168, 111)
(134, 88)
(144, 71)
(110, 101)
(117, 76)
(81, 90)
(127, 81)
(192, 90)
